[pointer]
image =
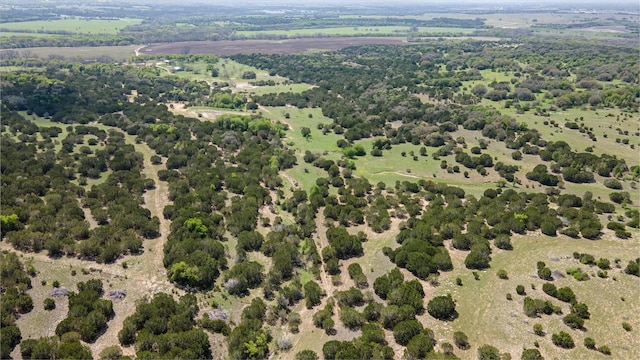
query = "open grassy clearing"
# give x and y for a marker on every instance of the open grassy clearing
(229, 69)
(389, 168)
(611, 126)
(76, 26)
(271, 89)
(604, 123)
(231, 72)
(500, 152)
(39, 323)
(487, 317)
(317, 142)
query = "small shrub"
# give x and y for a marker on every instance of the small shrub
(520, 290)
(563, 340)
(307, 355)
(284, 343)
(502, 274)
(626, 326)
(538, 329)
(49, 304)
(589, 343)
(447, 348)
(458, 281)
(509, 297)
(461, 340)
(604, 349)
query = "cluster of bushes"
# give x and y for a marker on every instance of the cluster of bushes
(65, 347)
(88, 313)
(14, 282)
(248, 340)
(358, 277)
(163, 327)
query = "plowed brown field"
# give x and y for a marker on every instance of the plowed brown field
(291, 46)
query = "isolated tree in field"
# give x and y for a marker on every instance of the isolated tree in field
(306, 132)
(589, 343)
(633, 268)
(563, 340)
(307, 355)
(461, 340)
(442, 308)
(531, 354)
(488, 352)
(573, 321)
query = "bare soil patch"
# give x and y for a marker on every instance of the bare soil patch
(291, 46)
(610, 29)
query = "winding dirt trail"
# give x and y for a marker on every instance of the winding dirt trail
(321, 242)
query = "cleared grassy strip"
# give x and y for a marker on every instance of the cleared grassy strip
(305, 174)
(76, 26)
(229, 69)
(272, 89)
(13, 33)
(487, 317)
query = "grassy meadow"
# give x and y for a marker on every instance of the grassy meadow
(502, 323)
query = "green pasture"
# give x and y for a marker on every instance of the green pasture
(306, 174)
(229, 69)
(272, 89)
(604, 123)
(76, 26)
(487, 317)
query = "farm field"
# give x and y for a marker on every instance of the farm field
(357, 31)
(118, 53)
(75, 26)
(291, 46)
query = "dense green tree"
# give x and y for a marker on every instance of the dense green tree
(531, 354)
(404, 331)
(312, 294)
(488, 352)
(442, 308)
(563, 340)
(306, 355)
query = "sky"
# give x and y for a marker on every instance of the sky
(354, 2)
